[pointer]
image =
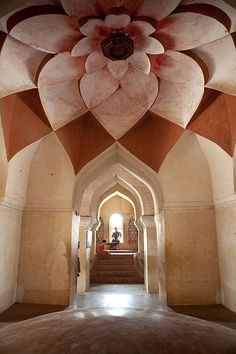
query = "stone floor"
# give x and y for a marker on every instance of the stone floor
(131, 296)
(113, 318)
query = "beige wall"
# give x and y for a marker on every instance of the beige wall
(191, 257)
(226, 232)
(190, 232)
(121, 206)
(44, 272)
(10, 226)
(222, 173)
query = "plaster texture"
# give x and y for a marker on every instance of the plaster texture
(226, 231)
(10, 226)
(114, 331)
(191, 257)
(44, 269)
(3, 163)
(185, 175)
(51, 178)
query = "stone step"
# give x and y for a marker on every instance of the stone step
(114, 267)
(114, 273)
(116, 280)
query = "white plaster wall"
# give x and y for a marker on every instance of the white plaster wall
(222, 174)
(10, 227)
(226, 232)
(190, 232)
(221, 169)
(191, 257)
(185, 175)
(18, 176)
(44, 272)
(51, 180)
(44, 268)
(3, 163)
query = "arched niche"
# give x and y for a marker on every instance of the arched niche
(114, 165)
(121, 192)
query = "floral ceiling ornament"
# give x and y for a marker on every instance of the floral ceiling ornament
(119, 59)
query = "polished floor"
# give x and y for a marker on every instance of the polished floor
(131, 296)
(115, 318)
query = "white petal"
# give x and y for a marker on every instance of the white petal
(97, 87)
(118, 68)
(62, 103)
(149, 45)
(220, 58)
(85, 46)
(141, 62)
(93, 27)
(140, 87)
(18, 66)
(117, 21)
(187, 30)
(177, 101)
(118, 114)
(177, 67)
(4, 19)
(229, 10)
(95, 62)
(61, 69)
(140, 27)
(49, 33)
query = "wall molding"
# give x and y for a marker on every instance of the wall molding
(188, 205)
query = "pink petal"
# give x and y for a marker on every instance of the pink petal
(149, 45)
(118, 68)
(181, 87)
(220, 58)
(140, 61)
(80, 8)
(139, 28)
(95, 62)
(61, 69)
(174, 32)
(86, 46)
(62, 103)
(177, 67)
(95, 27)
(49, 33)
(140, 87)
(117, 21)
(129, 5)
(177, 102)
(97, 87)
(229, 10)
(118, 114)
(18, 67)
(157, 9)
(4, 19)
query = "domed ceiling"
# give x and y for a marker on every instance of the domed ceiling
(138, 72)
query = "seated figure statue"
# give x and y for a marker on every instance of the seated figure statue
(115, 239)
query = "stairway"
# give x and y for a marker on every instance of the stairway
(119, 268)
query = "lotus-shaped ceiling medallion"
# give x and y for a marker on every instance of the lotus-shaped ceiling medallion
(97, 67)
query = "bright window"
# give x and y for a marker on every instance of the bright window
(116, 220)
